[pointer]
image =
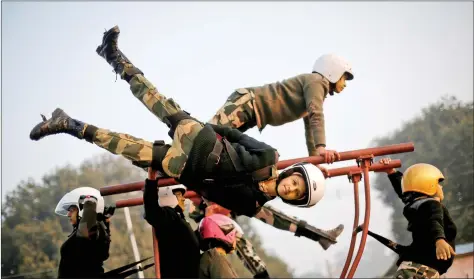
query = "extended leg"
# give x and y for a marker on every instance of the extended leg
(142, 153)
(141, 88)
(132, 148)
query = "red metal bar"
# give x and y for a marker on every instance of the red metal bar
(346, 155)
(354, 154)
(355, 177)
(156, 249)
(330, 173)
(365, 164)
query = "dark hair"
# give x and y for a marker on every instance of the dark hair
(209, 243)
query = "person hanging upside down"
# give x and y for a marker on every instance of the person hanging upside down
(218, 237)
(139, 150)
(220, 163)
(431, 252)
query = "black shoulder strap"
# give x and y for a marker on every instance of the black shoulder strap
(233, 156)
(263, 173)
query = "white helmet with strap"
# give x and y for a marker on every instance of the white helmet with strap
(314, 181)
(333, 67)
(72, 199)
(166, 195)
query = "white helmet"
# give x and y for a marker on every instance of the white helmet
(333, 67)
(166, 195)
(72, 198)
(314, 180)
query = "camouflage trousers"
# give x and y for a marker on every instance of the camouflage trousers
(237, 112)
(411, 270)
(139, 150)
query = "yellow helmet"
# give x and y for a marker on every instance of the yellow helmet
(422, 178)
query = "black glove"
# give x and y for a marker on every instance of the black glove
(86, 198)
(109, 211)
(302, 230)
(263, 274)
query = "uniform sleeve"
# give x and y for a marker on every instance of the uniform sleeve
(430, 216)
(247, 254)
(396, 180)
(309, 137)
(88, 223)
(221, 268)
(154, 214)
(314, 94)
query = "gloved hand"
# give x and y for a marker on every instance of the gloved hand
(87, 198)
(90, 200)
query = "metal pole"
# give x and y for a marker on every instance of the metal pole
(330, 173)
(133, 240)
(355, 177)
(365, 162)
(156, 249)
(347, 155)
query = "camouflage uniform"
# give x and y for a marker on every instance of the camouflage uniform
(247, 254)
(411, 270)
(279, 103)
(139, 150)
(273, 104)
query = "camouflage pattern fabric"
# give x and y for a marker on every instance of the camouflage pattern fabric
(411, 270)
(237, 112)
(139, 150)
(248, 256)
(276, 221)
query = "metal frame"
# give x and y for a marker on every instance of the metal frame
(363, 157)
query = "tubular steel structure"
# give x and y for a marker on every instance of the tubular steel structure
(364, 159)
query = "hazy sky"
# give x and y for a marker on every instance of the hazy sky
(404, 55)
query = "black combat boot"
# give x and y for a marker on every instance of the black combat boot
(60, 122)
(111, 53)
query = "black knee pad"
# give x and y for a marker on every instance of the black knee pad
(158, 154)
(173, 120)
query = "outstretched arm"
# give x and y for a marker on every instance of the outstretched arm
(267, 216)
(154, 214)
(308, 133)
(394, 176)
(247, 254)
(282, 221)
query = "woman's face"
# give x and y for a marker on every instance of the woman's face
(340, 84)
(439, 193)
(72, 214)
(292, 187)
